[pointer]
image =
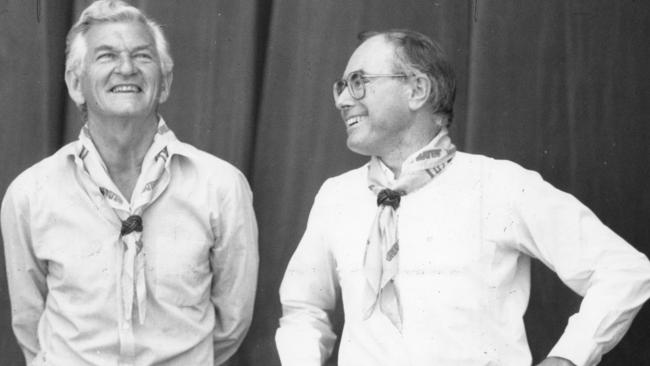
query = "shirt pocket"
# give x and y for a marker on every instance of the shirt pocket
(182, 270)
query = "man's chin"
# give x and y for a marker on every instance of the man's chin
(358, 148)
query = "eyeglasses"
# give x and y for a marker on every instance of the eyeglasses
(356, 82)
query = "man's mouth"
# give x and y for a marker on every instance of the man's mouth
(126, 88)
(353, 120)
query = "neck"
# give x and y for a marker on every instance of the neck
(409, 144)
(122, 143)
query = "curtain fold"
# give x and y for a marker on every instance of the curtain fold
(560, 87)
(31, 105)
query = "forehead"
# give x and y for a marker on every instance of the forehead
(119, 35)
(374, 56)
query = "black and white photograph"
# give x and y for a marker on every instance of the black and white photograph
(324, 183)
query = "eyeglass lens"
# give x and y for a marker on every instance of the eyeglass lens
(354, 81)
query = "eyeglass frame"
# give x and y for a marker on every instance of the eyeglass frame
(365, 78)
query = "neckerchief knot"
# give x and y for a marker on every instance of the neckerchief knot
(381, 258)
(388, 197)
(153, 180)
(131, 224)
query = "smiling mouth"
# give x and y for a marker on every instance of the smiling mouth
(353, 120)
(130, 88)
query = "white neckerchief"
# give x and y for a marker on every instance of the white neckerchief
(381, 259)
(153, 180)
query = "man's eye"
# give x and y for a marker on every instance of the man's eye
(143, 56)
(105, 56)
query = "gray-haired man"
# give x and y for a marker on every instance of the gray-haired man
(430, 247)
(127, 246)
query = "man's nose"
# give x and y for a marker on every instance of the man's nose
(126, 66)
(344, 100)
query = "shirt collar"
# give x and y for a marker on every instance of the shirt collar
(164, 136)
(389, 173)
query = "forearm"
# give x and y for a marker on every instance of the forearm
(233, 296)
(612, 276)
(26, 274)
(234, 311)
(556, 361)
(308, 296)
(235, 261)
(305, 337)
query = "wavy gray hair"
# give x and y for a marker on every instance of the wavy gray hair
(103, 11)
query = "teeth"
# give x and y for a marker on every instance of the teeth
(125, 89)
(354, 120)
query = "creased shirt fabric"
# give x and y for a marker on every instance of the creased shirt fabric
(466, 239)
(64, 257)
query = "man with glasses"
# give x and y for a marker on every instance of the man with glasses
(127, 246)
(429, 248)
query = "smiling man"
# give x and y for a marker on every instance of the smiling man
(127, 246)
(430, 248)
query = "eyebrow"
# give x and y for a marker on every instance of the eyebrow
(105, 47)
(354, 71)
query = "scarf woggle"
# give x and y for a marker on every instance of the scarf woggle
(153, 180)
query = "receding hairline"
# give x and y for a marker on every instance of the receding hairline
(417, 52)
(397, 63)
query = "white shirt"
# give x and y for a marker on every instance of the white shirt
(62, 253)
(466, 239)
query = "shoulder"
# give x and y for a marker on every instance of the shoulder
(34, 182)
(350, 183)
(500, 172)
(488, 163)
(506, 182)
(50, 170)
(204, 166)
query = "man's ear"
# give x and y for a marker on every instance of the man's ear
(73, 81)
(165, 87)
(420, 91)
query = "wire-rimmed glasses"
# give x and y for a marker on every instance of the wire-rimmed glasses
(356, 82)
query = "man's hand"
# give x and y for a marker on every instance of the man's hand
(556, 361)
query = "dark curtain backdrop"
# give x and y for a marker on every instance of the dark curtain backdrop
(561, 87)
